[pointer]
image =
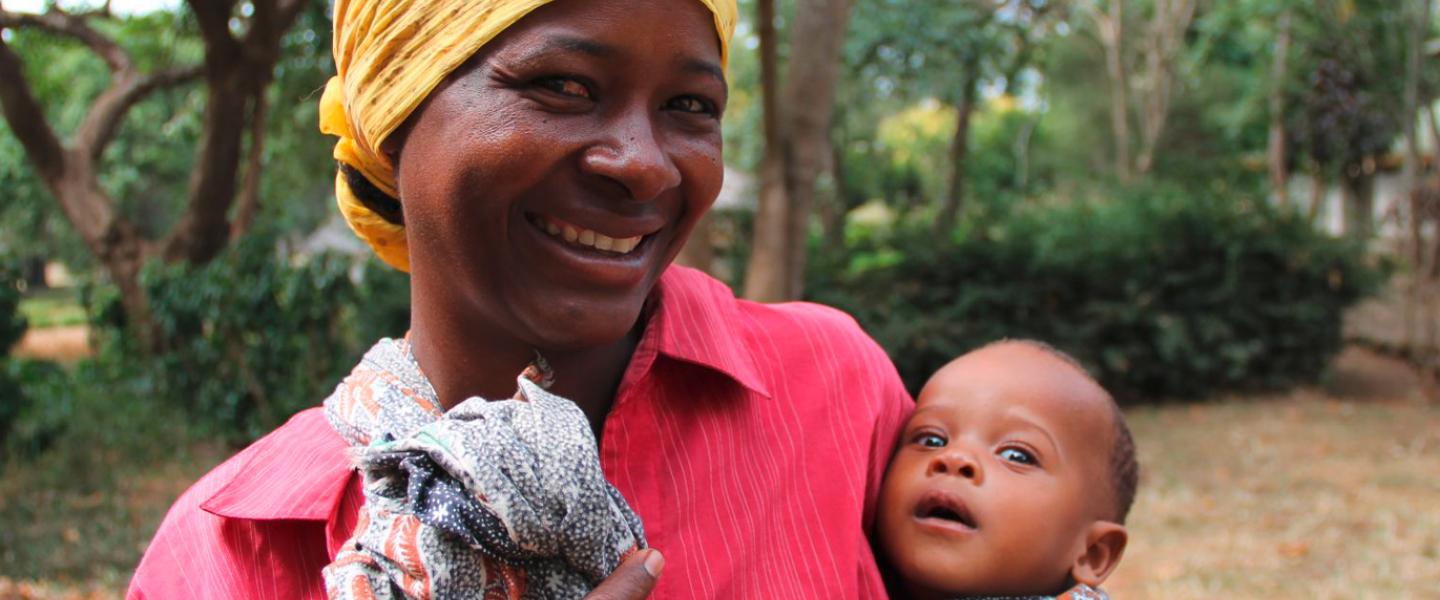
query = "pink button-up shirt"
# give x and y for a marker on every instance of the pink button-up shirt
(749, 438)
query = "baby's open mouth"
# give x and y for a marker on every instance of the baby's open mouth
(944, 506)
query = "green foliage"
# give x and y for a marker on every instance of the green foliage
(32, 426)
(12, 326)
(1162, 295)
(12, 323)
(146, 168)
(252, 337)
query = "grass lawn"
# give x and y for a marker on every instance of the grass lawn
(1330, 492)
(53, 307)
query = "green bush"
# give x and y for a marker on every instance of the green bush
(34, 427)
(12, 326)
(1161, 294)
(251, 337)
(12, 323)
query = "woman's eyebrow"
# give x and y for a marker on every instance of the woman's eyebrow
(561, 43)
(706, 67)
(557, 44)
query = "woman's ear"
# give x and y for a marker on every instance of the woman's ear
(390, 147)
(1104, 545)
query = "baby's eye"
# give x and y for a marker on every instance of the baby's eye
(1017, 455)
(929, 440)
(564, 85)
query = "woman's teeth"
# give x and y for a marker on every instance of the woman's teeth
(591, 239)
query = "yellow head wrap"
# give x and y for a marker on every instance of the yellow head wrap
(389, 55)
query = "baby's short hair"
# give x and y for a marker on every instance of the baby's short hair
(1124, 467)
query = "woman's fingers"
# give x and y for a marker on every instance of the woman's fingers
(633, 579)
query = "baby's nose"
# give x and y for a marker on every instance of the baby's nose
(955, 463)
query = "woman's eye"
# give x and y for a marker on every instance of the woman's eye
(692, 104)
(930, 440)
(565, 86)
(1017, 455)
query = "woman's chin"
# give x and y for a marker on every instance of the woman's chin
(568, 331)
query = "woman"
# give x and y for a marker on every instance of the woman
(536, 166)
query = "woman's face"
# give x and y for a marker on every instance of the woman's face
(548, 182)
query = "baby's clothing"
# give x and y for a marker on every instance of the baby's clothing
(490, 499)
(1079, 592)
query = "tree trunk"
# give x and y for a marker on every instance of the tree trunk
(959, 151)
(1112, 36)
(1022, 155)
(804, 144)
(254, 164)
(32, 272)
(1166, 39)
(816, 41)
(765, 275)
(1358, 198)
(236, 71)
(1279, 74)
(833, 213)
(1317, 192)
(1410, 179)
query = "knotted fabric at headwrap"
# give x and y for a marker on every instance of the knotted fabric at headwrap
(389, 56)
(501, 499)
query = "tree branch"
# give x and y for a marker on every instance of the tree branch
(27, 119)
(213, 16)
(100, 124)
(254, 162)
(59, 22)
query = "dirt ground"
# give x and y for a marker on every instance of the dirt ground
(1331, 492)
(62, 344)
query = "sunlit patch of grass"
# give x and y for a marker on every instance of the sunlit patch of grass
(52, 308)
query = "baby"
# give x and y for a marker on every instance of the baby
(1012, 478)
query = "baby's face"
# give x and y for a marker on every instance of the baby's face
(1000, 472)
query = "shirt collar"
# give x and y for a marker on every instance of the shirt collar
(298, 472)
(695, 319)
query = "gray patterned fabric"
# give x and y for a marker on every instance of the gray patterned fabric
(491, 499)
(1079, 592)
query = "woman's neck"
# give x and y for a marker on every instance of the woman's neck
(462, 362)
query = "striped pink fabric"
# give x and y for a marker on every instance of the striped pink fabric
(749, 438)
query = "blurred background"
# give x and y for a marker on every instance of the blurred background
(1228, 209)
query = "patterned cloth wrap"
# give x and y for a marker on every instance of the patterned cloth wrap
(1079, 592)
(501, 499)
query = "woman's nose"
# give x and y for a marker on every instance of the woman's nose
(633, 155)
(957, 463)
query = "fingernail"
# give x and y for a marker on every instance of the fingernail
(654, 563)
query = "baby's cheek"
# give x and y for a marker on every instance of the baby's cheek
(890, 509)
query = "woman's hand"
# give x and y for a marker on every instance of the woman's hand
(633, 579)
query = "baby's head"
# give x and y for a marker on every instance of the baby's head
(1013, 477)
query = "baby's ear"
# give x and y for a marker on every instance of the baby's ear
(1104, 544)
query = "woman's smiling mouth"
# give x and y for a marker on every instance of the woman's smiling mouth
(586, 238)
